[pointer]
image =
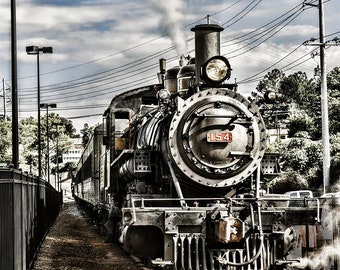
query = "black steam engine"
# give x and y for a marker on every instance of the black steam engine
(175, 173)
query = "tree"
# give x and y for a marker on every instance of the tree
(278, 110)
(271, 81)
(60, 131)
(288, 181)
(335, 160)
(28, 136)
(297, 88)
(299, 123)
(68, 167)
(333, 86)
(305, 93)
(5, 141)
(333, 79)
(87, 133)
(301, 162)
(301, 155)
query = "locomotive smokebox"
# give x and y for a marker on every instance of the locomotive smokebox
(207, 44)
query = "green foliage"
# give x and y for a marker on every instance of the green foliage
(300, 123)
(69, 166)
(86, 132)
(335, 158)
(60, 130)
(271, 81)
(333, 79)
(304, 93)
(301, 162)
(334, 114)
(288, 181)
(5, 141)
(333, 85)
(301, 156)
(29, 140)
(297, 88)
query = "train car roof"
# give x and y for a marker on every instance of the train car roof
(133, 98)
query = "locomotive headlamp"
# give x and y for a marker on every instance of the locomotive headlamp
(127, 217)
(270, 96)
(163, 94)
(216, 69)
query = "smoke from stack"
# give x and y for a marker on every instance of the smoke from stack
(172, 21)
(330, 251)
(320, 259)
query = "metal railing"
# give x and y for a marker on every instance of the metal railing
(27, 210)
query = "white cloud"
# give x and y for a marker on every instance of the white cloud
(101, 32)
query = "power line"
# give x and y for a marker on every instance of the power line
(296, 62)
(120, 68)
(70, 108)
(99, 84)
(245, 11)
(85, 116)
(133, 47)
(262, 31)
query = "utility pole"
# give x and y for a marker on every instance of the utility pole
(4, 98)
(324, 95)
(324, 101)
(15, 129)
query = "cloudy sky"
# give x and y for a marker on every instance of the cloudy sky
(103, 47)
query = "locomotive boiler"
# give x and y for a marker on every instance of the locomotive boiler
(175, 173)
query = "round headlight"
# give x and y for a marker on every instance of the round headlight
(127, 217)
(216, 69)
(270, 96)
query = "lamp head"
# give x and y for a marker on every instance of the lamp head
(47, 49)
(36, 49)
(32, 49)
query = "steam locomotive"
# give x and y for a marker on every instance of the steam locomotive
(175, 172)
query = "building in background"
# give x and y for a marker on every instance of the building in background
(71, 156)
(276, 134)
(74, 153)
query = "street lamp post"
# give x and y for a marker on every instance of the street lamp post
(57, 183)
(46, 106)
(35, 50)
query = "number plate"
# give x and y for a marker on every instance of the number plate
(219, 137)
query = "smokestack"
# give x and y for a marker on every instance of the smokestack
(207, 44)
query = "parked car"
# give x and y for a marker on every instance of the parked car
(300, 194)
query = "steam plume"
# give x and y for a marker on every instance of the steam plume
(172, 21)
(320, 259)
